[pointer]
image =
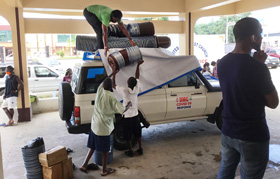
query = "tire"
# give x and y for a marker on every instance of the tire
(219, 116)
(65, 101)
(87, 43)
(119, 142)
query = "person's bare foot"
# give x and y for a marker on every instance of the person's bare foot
(83, 169)
(11, 122)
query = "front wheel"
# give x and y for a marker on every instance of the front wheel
(119, 142)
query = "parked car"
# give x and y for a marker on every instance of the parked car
(190, 97)
(40, 78)
(272, 62)
(53, 63)
(10, 58)
(274, 52)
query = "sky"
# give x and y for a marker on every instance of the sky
(267, 17)
(3, 21)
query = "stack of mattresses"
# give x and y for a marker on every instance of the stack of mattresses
(142, 34)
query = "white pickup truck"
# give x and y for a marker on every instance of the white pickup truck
(40, 78)
(191, 97)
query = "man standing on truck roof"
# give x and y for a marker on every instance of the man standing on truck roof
(11, 93)
(99, 17)
(131, 121)
(102, 124)
(245, 134)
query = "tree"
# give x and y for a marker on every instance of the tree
(219, 26)
(155, 18)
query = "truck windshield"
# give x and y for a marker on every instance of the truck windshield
(90, 79)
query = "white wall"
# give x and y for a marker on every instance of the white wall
(208, 48)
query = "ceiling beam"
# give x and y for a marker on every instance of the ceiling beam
(201, 5)
(15, 3)
(71, 26)
(123, 5)
(76, 13)
(253, 5)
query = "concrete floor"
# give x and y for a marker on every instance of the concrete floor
(187, 150)
(178, 150)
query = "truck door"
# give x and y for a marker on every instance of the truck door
(30, 80)
(45, 79)
(184, 99)
(153, 104)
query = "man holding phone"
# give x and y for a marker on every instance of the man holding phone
(245, 134)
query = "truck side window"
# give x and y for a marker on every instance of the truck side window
(93, 78)
(44, 72)
(28, 69)
(75, 78)
(184, 81)
(272, 51)
(2, 72)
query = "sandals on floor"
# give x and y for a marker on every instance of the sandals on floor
(108, 172)
(140, 151)
(68, 150)
(129, 153)
(92, 166)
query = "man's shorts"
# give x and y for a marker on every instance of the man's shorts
(98, 143)
(10, 103)
(132, 127)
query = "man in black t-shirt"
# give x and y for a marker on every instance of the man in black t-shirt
(11, 93)
(247, 88)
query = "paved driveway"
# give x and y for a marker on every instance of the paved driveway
(171, 151)
(176, 150)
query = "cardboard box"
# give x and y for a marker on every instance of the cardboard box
(67, 168)
(53, 156)
(53, 172)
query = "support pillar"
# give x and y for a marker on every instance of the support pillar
(185, 42)
(20, 63)
(1, 162)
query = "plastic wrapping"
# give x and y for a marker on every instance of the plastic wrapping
(30, 154)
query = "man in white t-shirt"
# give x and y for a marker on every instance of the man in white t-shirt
(130, 117)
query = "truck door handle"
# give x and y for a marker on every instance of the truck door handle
(196, 93)
(36, 80)
(173, 94)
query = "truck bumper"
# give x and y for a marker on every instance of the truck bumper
(77, 129)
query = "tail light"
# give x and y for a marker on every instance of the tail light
(77, 115)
